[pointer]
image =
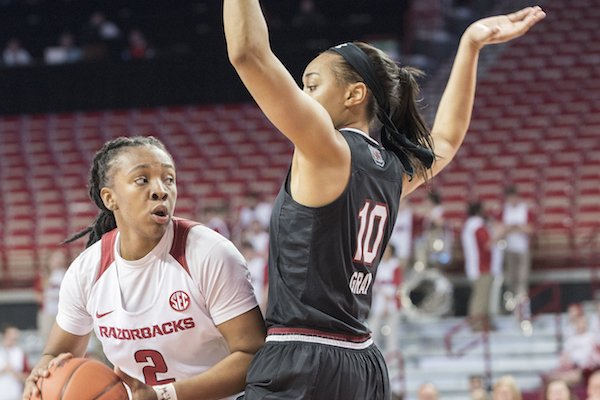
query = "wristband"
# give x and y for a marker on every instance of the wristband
(165, 392)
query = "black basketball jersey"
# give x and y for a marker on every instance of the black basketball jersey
(323, 261)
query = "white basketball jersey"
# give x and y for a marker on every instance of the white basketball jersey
(169, 332)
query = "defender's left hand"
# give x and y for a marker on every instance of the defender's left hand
(503, 28)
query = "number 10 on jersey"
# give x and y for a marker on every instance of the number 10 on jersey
(372, 222)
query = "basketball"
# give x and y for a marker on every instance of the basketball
(82, 379)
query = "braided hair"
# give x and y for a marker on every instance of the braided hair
(99, 178)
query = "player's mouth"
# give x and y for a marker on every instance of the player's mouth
(160, 215)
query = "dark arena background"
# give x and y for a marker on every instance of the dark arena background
(89, 71)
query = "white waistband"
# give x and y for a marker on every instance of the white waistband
(320, 340)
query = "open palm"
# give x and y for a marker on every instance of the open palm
(503, 28)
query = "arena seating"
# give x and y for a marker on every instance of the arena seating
(536, 124)
(222, 153)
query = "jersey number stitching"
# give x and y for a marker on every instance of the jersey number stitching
(159, 366)
(367, 248)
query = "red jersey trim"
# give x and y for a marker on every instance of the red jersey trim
(108, 251)
(181, 228)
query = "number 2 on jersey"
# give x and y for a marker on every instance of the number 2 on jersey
(158, 366)
(368, 247)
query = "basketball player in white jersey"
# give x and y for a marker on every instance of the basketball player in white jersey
(169, 299)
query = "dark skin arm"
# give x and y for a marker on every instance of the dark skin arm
(245, 335)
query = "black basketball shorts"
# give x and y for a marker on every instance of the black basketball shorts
(310, 366)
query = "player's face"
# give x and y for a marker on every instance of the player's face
(320, 82)
(142, 192)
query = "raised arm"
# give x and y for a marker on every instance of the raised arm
(454, 112)
(299, 117)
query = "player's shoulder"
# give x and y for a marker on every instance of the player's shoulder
(201, 232)
(205, 241)
(87, 263)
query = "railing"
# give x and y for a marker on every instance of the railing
(483, 337)
(395, 361)
(553, 306)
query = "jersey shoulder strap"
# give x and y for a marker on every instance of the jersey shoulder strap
(181, 229)
(107, 256)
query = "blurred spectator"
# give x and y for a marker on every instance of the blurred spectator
(593, 386)
(255, 209)
(48, 290)
(13, 364)
(517, 227)
(308, 16)
(214, 218)
(579, 348)
(104, 29)
(506, 388)
(479, 394)
(384, 317)
(481, 265)
(579, 354)
(137, 47)
(477, 390)
(427, 391)
(258, 237)
(558, 389)
(594, 321)
(434, 246)
(14, 55)
(65, 52)
(258, 268)
(402, 235)
(574, 312)
(101, 38)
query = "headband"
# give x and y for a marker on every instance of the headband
(361, 63)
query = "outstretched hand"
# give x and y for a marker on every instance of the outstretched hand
(139, 390)
(503, 28)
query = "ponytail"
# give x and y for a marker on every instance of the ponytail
(395, 91)
(413, 133)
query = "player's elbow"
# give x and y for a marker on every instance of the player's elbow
(243, 56)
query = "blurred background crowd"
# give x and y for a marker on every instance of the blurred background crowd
(489, 287)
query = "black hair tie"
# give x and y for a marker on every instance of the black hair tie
(390, 134)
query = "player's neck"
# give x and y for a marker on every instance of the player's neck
(133, 248)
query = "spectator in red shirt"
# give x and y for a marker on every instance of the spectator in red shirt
(480, 265)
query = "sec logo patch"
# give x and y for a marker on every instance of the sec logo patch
(179, 301)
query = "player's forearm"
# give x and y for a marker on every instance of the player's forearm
(456, 105)
(226, 378)
(246, 30)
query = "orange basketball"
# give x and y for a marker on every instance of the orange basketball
(82, 379)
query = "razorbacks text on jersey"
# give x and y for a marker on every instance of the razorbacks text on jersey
(156, 317)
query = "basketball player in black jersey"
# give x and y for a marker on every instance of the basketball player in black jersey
(335, 211)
